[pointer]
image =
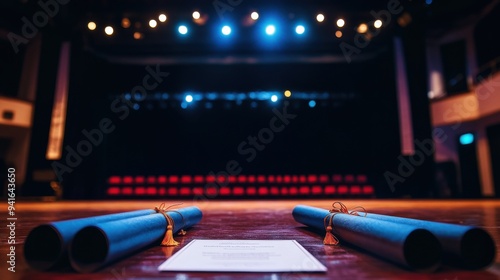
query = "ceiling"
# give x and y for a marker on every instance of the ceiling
(247, 43)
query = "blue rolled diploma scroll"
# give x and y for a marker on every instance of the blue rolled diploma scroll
(46, 246)
(464, 246)
(98, 245)
(407, 245)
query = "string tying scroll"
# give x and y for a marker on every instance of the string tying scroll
(338, 208)
(169, 240)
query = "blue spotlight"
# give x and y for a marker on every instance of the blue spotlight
(300, 29)
(183, 29)
(226, 30)
(270, 30)
(189, 98)
(274, 98)
(466, 139)
(312, 103)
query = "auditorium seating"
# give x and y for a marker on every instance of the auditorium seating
(240, 186)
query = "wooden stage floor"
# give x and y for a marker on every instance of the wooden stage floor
(256, 220)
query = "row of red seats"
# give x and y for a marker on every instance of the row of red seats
(241, 179)
(213, 192)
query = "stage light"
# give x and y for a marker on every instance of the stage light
(254, 15)
(137, 35)
(467, 138)
(287, 93)
(189, 98)
(320, 17)
(196, 15)
(362, 28)
(270, 30)
(125, 23)
(153, 23)
(109, 30)
(312, 103)
(300, 29)
(183, 29)
(338, 34)
(91, 25)
(226, 30)
(162, 18)
(340, 22)
(377, 23)
(274, 98)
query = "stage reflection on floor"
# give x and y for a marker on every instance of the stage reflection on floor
(258, 220)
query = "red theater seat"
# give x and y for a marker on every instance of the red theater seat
(186, 179)
(225, 191)
(317, 190)
(113, 191)
(368, 190)
(185, 191)
(113, 180)
(173, 179)
(330, 189)
(151, 180)
(238, 191)
(128, 180)
(162, 179)
(355, 190)
(127, 191)
(172, 191)
(343, 189)
(151, 191)
(140, 191)
(140, 179)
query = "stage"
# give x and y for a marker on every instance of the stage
(257, 220)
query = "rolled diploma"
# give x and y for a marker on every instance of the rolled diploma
(407, 245)
(465, 246)
(97, 245)
(46, 246)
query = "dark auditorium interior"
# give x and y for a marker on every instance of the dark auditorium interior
(248, 107)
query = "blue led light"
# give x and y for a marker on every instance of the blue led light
(226, 30)
(312, 103)
(183, 29)
(300, 29)
(270, 30)
(189, 98)
(274, 98)
(466, 139)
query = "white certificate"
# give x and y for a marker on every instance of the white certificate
(243, 256)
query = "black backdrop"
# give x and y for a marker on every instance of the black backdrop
(355, 131)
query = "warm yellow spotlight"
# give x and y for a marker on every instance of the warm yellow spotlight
(377, 23)
(137, 35)
(125, 23)
(196, 15)
(254, 15)
(362, 28)
(320, 17)
(153, 23)
(340, 22)
(288, 93)
(162, 17)
(109, 30)
(92, 25)
(338, 34)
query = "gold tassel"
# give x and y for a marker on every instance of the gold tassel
(330, 239)
(169, 238)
